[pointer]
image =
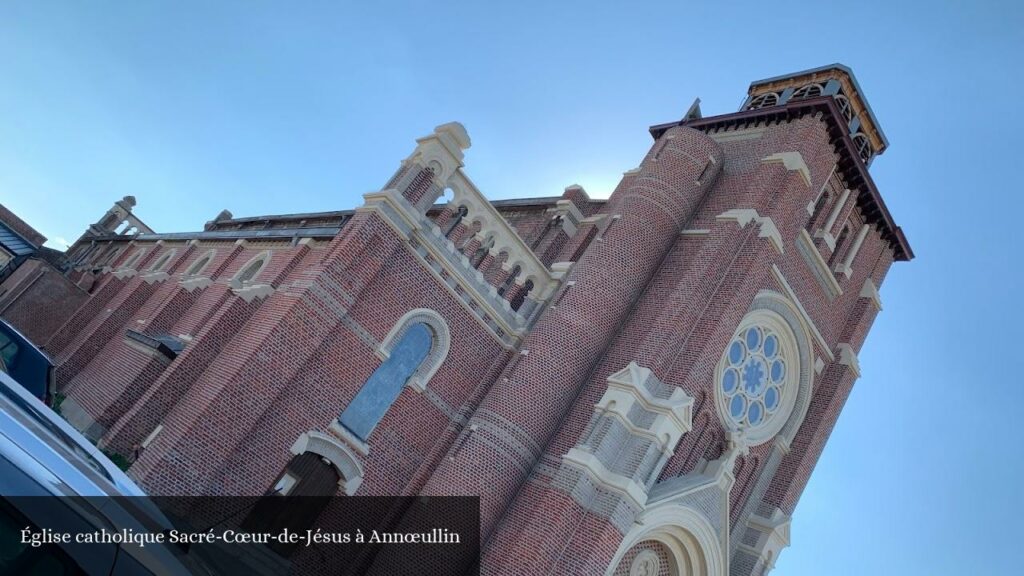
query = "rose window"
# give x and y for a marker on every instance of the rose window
(753, 380)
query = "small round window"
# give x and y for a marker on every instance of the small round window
(753, 387)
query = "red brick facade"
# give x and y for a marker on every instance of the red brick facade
(211, 379)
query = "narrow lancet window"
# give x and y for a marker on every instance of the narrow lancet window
(385, 384)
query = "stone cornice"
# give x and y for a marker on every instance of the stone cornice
(766, 226)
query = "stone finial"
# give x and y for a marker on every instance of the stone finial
(223, 215)
(457, 131)
(128, 202)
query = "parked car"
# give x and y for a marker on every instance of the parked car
(26, 363)
(51, 477)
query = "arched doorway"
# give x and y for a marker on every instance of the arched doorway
(295, 499)
(669, 540)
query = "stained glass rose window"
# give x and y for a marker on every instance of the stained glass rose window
(752, 382)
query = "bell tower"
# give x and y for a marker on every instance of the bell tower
(835, 81)
(689, 374)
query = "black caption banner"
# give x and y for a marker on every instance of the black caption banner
(250, 536)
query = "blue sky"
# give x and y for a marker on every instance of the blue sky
(267, 108)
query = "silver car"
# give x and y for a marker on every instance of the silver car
(50, 477)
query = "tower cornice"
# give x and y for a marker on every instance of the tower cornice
(850, 166)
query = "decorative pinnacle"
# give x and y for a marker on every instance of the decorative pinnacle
(457, 131)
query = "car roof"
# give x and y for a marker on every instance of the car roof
(61, 462)
(55, 444)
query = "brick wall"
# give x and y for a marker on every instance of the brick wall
(37, 299)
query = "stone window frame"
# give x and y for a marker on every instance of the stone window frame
(692, 541)
(206, 259)
(132, 260)
(263, 258)
(438, 349)
(743, 357)
(162, 261)
(345, 461)
(777, 312)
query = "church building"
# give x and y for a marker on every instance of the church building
(634, 386)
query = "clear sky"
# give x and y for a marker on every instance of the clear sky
(265, 108)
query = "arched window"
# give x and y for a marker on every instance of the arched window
(251, 269)
(133, 259)
(763, 100)
(517, 301)
(844, 107)
(199, 264)
(808, 91)
(385, 384)
(161, 262)
(863, 147)
(456, 220)
(508, 281)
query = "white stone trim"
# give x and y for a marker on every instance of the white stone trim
(790, 352)
(629, 386)
(791, 161)
(803, 312)
(349, 438)
(836, 210)
(775, 536)
(440, 345)
(191, 283)
(744, 216)
(251, 292)
(824, 187)
(494, 225)
(846, 268)
(154, 277)
(848, 357)
(736, 135)
(441, 151)
(263, 258)
(819, 268)
(685, 532)
(611, 481)
(151, 436)
(350, 469)
(870, 291)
